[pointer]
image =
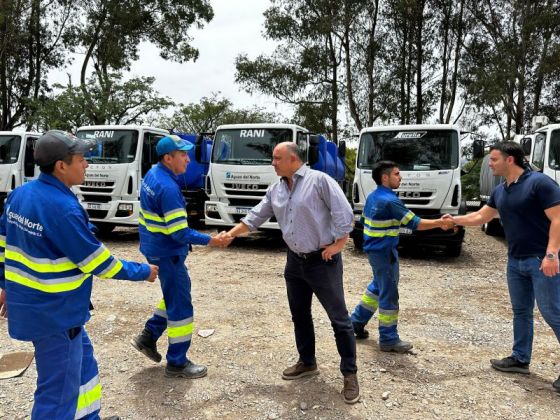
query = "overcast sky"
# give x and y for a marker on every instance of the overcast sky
(236, 28)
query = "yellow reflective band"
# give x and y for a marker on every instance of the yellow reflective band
(47, 288)
(50, 267)
(3, 242)
(88, 398)
(181, 331)
(161, 305)
(368, 300)
(381, 233)
(2, 258)
(385, 318)
(381, 223)
(174, 215)
(96, 262)
(407, 218)
(163, 229)
(151, 216)
(112, 271)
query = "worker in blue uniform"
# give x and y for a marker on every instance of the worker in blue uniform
(165, 240)
(48, 255)
(382, 217)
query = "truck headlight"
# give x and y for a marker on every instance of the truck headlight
(211, 208)
(125, 207)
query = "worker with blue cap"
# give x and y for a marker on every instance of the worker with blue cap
(48, 257)
(165, 240)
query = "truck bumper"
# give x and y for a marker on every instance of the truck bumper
(221, 214)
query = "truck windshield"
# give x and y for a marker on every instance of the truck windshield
(554, 155)
(9, 148)
(421, 150)
(113, 146)
(248, 146)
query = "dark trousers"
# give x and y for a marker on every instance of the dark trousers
(305, 277)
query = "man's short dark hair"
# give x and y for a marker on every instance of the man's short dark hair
(49, 169)
(383, 167)
(510, 148)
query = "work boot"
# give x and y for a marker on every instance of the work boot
(300, 370)
(510, 364)
(145, 344)
(399, 347)
(188, 371)
(351, 390)
(360, 331)
(556, 384)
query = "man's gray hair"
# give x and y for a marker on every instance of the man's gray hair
(296, 150)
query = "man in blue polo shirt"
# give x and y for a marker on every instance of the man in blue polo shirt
(529, 207)
(165, 240)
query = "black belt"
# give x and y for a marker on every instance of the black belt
(308, 255)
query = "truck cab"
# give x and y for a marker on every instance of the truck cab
(428, 157)
(17, 165)
(241, 171)
(124, 154)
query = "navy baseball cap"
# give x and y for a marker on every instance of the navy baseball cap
(57, 145)
(171, 143)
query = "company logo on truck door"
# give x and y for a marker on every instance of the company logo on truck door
(410, 135)
(251, 133)
(242, 177)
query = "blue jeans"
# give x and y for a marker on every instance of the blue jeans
(382, 293)
(526, 282)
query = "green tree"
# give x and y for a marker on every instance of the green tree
(134, 101)
(210, 112)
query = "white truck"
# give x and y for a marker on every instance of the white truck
(17, 165)
(240, 169)
(542, 152)
(429, 158)
(123, 155)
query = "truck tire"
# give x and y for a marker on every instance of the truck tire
(494, 228)
(453, 251)
(358, 242)
(105, 228)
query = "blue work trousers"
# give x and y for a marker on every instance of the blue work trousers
(68, 384)
(526, 282)
(175, 312)
(383, 294)
(305, 277)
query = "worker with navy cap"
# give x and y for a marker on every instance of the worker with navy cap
(165, 240)
(48, 257)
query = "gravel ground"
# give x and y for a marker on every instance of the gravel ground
(455, 311)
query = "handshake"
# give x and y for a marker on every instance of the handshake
(221, 240)
(446, 222)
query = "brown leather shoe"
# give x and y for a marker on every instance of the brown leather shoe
(299, 370)
(351, 390)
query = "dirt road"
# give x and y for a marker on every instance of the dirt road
(455, 311)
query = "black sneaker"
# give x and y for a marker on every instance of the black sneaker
(146, 345)
(360, 331)
(510, 364)
(556, 384)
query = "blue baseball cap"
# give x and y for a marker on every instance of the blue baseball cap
(172, 142)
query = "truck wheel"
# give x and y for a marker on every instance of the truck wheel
(453, 251)
(494, 228)
(105, 228)
(358, 242)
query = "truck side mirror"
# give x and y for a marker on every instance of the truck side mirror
(526, 143)
(478, 149)
(198, 147)
(341, 149)
(313, 151)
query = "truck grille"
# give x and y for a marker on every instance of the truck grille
(96, 198)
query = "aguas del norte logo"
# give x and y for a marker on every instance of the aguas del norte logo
(244, 177)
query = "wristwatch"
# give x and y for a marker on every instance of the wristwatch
(551, 256)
